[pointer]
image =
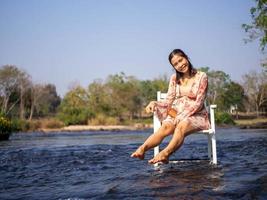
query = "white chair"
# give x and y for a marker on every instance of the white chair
(212, 153)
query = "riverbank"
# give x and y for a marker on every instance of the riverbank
(242, 124)
(99, 128)
(259, 123)
(53, 126)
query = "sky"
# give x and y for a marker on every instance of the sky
(66, 42)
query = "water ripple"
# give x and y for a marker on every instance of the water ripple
(78, 166)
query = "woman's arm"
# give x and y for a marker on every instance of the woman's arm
(162, 107)
(171, 91)
(199, 102)
(170, 94)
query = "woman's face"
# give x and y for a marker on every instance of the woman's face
(180, 63)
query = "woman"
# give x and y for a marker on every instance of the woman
(183, 111)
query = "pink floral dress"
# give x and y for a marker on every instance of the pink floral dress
(189, 104)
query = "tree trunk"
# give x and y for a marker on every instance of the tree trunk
(22, 111)
(257, 110)
(214, 97)
(4, 109)
(31, 112)
(32, 103)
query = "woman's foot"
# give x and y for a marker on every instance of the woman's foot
(162, 157)
(139, 153)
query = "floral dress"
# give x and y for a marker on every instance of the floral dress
(189, 104)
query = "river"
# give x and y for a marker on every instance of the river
(97, 165)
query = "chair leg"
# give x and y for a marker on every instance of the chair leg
(214, 149)
(156, 124)
(209, 146)
(156, 150)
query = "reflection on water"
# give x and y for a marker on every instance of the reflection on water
(97, 165)
(187, 178)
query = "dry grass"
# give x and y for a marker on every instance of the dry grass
(46, 123)
(51, 123)
(251, 121)
(103, 120)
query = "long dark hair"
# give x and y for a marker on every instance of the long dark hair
(192, 70)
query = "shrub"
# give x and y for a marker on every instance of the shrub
(223, 118)
(73, 116)
(34, 125)
(5, 126)
(102, 119)
(51, 123)
(20, 125)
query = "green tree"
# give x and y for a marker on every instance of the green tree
(122, 96)
(132, 92)
(255, 86)
(115, 88)
(9, 83)
(14, 83)
(124, 93)
(44, 100)
(218, 82)
(149, 88)
(223, 91)
(99, 98)
(233, 95)
(258, 26)
(74, 108)
(24, 86)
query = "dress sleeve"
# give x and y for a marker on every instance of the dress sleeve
(161, 107)
(191, 109)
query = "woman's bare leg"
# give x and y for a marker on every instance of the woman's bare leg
(154, 140)
(182, 130)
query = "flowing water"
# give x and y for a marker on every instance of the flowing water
(97, 165)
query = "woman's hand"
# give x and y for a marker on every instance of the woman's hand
(150, 107)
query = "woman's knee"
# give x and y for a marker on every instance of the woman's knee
(185, 127)
(167, 128)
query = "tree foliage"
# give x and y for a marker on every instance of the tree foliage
(149, 88)
(258, 26)
(234, 95)
(44, 100)
(20, 97)
(222, 91)
(74, 108)
(257, 29)
(98, 97)
(13, 86)
(119, 98)
(255, 86)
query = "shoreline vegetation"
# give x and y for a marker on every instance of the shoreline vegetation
(53, 125)
(259, 123)
(117, 102)
(102, 123)
(78, 128)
